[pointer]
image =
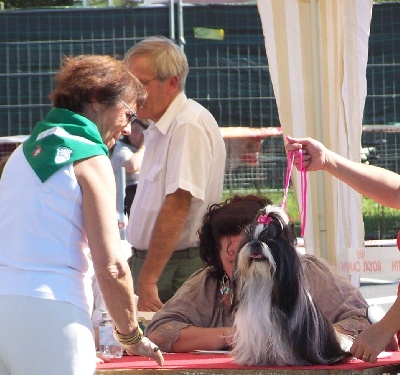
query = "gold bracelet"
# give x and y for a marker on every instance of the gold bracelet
(131, 339)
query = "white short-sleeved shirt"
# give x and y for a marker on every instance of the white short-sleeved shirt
(43, 247)
(184, 149)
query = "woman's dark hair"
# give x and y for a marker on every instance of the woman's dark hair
(84, 78)
(226, 219)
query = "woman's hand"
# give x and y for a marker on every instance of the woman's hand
(227, 335)
(146, 348)
(370, 342)
(314, 153)
(101, 359)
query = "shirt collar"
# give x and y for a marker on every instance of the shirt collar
(166, 120)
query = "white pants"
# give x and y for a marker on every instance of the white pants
(44, 337)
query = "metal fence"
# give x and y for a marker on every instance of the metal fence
(230, 76)
(384, 142)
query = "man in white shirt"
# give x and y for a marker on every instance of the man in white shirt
(181, 175)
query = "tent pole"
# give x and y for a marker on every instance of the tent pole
(181, 34)
(321, 235)
(171, 20)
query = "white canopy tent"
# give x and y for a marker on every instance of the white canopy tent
(317, 54)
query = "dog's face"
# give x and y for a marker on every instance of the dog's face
(253, 255)
(268, 259)
(254, 268)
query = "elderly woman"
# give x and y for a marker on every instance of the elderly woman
(57, 200)
(198, 316)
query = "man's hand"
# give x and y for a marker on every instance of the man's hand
(148, 298)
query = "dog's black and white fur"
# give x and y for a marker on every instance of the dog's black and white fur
(276, 320)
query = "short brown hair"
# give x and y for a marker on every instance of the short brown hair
(84, 78)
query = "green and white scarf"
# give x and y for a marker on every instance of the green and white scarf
(61, 138)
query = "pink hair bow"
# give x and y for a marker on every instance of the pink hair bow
(264, 219)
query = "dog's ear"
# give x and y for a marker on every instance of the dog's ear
(288, 276)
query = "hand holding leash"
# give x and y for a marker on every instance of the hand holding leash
(314, 153)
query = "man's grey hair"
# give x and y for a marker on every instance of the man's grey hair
(166, 58)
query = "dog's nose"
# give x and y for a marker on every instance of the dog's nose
(256, 250)
(256, 245)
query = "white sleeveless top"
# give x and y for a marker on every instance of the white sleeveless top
(43, 247)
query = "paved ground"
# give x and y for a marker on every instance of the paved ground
(380, 291)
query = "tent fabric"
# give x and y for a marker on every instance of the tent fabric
(317, 53)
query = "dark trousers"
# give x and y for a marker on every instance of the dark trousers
(180, 266)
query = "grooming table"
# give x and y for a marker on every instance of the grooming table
(222, 364)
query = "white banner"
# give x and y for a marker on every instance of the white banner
(370, 261)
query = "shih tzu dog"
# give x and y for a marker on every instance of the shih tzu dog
(275, 318)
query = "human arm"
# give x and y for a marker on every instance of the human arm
(375, 338)
(129, 157)
(200, 338)
(378, 184)
(96, 180)
(165, 236)
(195, 318)
(134, 163)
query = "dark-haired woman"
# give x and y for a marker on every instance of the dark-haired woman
(198, 316)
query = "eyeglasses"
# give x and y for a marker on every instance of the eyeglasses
(133, 116)
(145, 83)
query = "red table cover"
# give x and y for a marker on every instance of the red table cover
(224, 361)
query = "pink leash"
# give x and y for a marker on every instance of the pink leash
(303, 187)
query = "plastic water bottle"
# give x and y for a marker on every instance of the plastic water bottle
(108, 346)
